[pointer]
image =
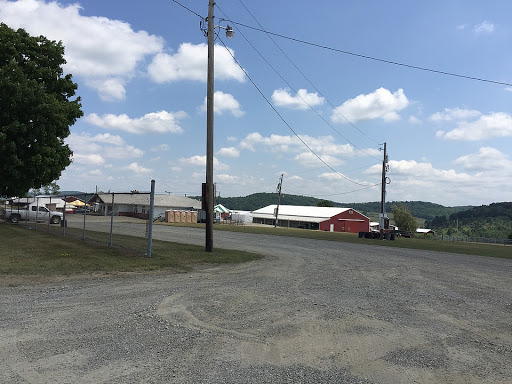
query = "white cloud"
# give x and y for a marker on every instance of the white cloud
(137, 169)
(156, 122)
(509, 89)
(309, 159)
(381, 104)
(190, 63)
(104, 52)
(486, 127)
(302, 100)
(414, 120)
(484, 27)
(323, 145)
(91, 158)
(109, 89)
(87, 148)
(454, 114)
(160, 148)
(229, 152)
(486, 160)
(223, 102)
(200, 161)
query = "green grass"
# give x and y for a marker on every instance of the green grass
(37, 252)
(488, 250)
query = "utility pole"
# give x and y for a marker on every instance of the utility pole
(209, 129)
(383, 220)
(279, 187)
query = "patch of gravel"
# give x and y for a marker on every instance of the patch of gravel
(309, 312)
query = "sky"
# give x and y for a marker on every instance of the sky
(300, 101)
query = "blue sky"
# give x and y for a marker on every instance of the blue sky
(141, 74)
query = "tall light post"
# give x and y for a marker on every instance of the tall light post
(209, 124)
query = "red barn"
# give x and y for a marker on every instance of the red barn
(330, 219)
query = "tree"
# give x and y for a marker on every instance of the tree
(404, 219)
(36, 111)
(324, 203)
(49, 189)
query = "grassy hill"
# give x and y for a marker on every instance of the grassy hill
(494, 220)
(419, 209)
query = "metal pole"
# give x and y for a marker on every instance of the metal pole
(209, 129)
(279, 186)
(383, 195)
(111, 219)
(85, 209)
(151, 207)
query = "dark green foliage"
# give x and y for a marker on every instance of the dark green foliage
(255, 201)
(36, 111)
(494, 220)
(49, 189)
(324, 203)
(403, 218)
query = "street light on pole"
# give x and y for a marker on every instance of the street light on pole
(209, 123)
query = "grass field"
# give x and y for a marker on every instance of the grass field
(42, 253)
(400, 242)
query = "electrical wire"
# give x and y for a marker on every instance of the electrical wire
(283, 119)
(410, 66)
(188, 9)
(298, 95)
(308, 80)
(335, 194)
(368, 57)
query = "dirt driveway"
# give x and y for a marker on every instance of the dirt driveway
(310, 312)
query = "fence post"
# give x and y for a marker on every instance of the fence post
(151, 208)
(111, 219)
(64, 217)
(85, 209)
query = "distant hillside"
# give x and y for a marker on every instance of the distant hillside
(255, 201)
(494, 220)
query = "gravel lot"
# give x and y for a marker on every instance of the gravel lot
(309, 312)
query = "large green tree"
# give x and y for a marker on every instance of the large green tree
(37, 107)
(403, 218)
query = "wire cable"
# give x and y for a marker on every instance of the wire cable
(298, 95)
(410, 66)
(188, 9)
(307, 79)
(284, 121)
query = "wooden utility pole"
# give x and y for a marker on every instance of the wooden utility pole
(279, 187)
(383, 222)
(209, 129)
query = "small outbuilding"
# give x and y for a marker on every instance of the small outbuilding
(137, 204)
(330, 219)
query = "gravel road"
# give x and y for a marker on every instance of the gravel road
(309, 312)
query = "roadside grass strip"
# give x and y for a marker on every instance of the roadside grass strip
(30, 252)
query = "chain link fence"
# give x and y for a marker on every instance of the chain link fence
(468, 239)
(114, 219)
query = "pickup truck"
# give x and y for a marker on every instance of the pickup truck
(33, 213)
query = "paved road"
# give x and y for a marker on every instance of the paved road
(310, 312)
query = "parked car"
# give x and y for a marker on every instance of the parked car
(82, 210)
(33, 212)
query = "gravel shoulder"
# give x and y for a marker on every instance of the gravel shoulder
(309, 312)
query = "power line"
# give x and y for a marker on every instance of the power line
(283, 119)
(298, 95)
(368, 57)
(188, 9)
(308, 80)
(335, 194)
(410, 66)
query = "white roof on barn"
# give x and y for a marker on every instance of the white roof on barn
(142, 199)
(299, 213)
